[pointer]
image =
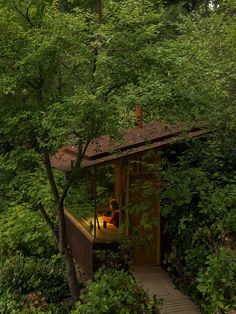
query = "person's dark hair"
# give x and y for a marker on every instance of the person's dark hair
(114, 204)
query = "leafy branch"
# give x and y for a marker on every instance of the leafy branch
(25, 15)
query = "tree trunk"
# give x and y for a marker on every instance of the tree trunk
(65, 251)
(71, 275)
(99, 10)
(63, 245)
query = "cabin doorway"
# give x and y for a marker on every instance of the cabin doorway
(146, 222)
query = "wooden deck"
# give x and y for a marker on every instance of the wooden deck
(157, 281)
(110, 233)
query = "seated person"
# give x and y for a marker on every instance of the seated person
(114, 218)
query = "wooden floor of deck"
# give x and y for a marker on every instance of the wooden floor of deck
(157, 281)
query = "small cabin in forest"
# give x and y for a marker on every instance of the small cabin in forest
(128, 161)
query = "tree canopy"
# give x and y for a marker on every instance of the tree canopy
(68, 77)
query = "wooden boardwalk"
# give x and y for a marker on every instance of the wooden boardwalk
(157, 281)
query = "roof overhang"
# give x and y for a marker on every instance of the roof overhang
(136, 141)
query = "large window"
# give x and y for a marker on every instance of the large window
(93, 188)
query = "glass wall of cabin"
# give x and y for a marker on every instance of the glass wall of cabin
(93, 189)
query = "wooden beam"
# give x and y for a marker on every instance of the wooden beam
(118, 182)
(158, 234)
(95, 201)
(127, 196)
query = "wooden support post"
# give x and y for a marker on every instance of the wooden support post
(139, 116)
(127, 197)
(157, 187)
(158, 235)
(95, 201)
(118, 182)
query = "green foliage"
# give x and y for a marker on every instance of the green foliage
(80, 198)
(65, 79)
(11, 303)
(174, 74)
(105, 184)
(198, 201)
(23, 275)
(15, 304)
(23, 230)
(217, 282)
(24, 239)
(120, 259)
(143, 202)
(115, 292)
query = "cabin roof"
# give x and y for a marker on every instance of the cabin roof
(136, 140)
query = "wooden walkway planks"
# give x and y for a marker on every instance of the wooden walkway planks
(157, 281)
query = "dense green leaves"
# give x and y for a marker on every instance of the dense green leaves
(217, 282)
(70, 76)
(198, 201)
(22, 230)
(115, 292)
(23, 275)
(32, 285)
(66, 79)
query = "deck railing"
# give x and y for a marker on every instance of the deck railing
(84, 245)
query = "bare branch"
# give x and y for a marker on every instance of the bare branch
(114, 87)
(49, 222)
(94, 64)
(6, 197)
(84, 150)
(25, 16)
(72, 71)
(72, 177)
(31, 84)
(50, 175)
